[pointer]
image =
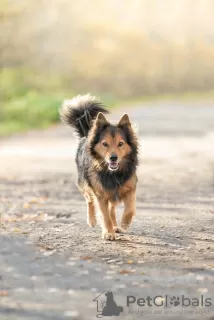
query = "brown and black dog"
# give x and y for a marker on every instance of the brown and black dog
(106, 162)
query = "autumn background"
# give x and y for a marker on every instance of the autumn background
(119, 50)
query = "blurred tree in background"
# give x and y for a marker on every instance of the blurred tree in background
(114, 48)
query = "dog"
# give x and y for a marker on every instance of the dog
(106, 159)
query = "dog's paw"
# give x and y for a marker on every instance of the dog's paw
(125, 226)
(108, 236)
(118, 230)
(92, 222)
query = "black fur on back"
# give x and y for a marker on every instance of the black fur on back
(80, 112)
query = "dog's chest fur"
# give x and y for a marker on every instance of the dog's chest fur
(114, 187)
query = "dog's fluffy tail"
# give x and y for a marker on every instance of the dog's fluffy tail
(80, 112)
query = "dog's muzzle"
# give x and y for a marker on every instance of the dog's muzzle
(113, 162)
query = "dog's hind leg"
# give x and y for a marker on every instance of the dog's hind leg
(130, 208)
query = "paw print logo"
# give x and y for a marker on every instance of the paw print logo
(175, 301)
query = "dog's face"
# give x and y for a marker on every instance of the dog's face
(111, 145)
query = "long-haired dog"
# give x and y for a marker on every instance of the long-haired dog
(106, 161)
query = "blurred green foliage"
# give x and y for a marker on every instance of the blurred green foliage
(22, 107)
(30, 99)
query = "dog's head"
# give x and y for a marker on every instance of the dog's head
(109, 295)
(113, 146)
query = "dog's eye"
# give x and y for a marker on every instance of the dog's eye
(120, 144)
(105, 144)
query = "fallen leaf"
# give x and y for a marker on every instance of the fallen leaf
(44, 246)
(26, 206)
(124, 271)
(3, 293)
(86, 258)
(34, 201)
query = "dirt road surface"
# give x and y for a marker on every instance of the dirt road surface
(52, 265)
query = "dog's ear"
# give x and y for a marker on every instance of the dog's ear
(101, 120)
(124, 120)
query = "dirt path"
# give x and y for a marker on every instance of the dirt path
(52, 265)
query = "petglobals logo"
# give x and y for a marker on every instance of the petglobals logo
(166, 301)
(106, 305)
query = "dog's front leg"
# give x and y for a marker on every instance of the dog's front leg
(108, 230)
(91, 214)
(112, 209)
(129, 210)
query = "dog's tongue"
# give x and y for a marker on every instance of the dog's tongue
(113, 165)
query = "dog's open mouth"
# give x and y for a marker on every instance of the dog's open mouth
(113, 165)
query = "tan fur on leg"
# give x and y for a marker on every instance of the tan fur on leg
(112, 207)
(91, 214)
(108, 230)
(130, 209)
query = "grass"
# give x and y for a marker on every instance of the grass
(23, 108)
(34, 110)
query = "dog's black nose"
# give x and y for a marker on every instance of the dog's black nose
(113, 157)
